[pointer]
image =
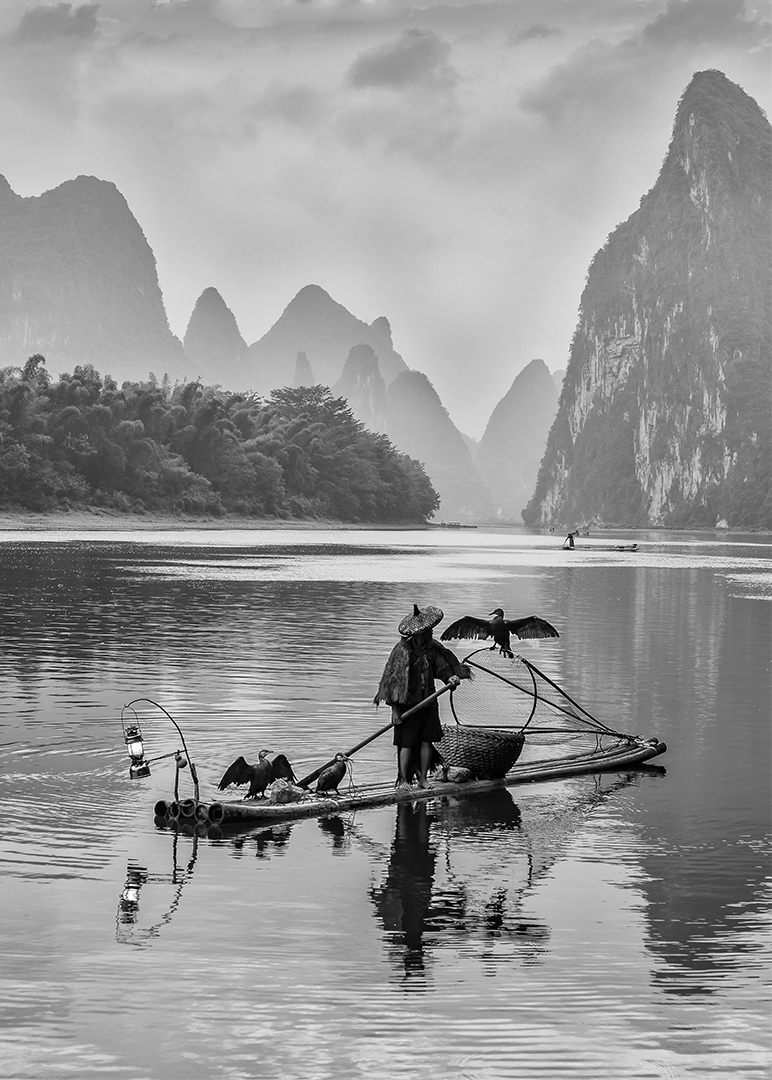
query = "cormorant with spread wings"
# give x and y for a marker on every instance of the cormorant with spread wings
(258, 776)
(499, 628)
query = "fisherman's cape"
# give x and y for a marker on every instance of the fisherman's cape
(409, 675)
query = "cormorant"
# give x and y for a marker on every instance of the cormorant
(330, 777)
(499, 628)
(258, 776)
(281, 769)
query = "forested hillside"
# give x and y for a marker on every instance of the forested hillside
(85, 441)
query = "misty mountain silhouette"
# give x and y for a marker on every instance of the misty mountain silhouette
(515, 438)
(213, 340)
(325, 331)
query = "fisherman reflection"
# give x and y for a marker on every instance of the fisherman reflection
(421, 901)
(404, 900)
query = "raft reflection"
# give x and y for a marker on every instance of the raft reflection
(427, 901)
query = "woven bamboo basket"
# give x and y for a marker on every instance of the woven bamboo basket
(488, 753)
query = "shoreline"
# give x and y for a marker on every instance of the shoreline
(103, 520)
(99, 520)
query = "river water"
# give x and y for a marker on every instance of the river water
(614, 925)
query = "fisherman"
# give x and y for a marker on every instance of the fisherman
(568, 543)
(408, 678)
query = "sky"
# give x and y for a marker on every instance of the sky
(453, 165)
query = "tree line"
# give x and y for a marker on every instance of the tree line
(188, 448)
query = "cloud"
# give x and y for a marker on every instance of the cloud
(600, 77)
(418, 57)
(298, 106)
(694, 22)
(535, 32)
(58, 22)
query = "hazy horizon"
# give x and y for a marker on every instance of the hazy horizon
(453, 167)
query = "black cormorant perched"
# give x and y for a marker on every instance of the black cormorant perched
(330, 777)
(499, 628)
(258, 776)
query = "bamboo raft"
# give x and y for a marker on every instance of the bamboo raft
(224, 813)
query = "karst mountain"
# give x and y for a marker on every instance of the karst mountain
(512, 446)
(664, 417)
(78, 284)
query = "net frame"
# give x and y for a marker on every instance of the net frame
(571, 721)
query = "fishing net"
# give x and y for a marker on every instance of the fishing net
(510, 705)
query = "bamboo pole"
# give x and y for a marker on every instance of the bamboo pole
(408, 712)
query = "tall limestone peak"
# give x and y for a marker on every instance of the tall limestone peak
(326, 331)
(419, 425)
(304, 375)
(382, 328)
(213, 340)
(515, 438)
(8, 197)
(78, 284)
(664, 416)
(362, 385)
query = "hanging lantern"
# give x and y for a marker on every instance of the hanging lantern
(132, 736)
(139, 765)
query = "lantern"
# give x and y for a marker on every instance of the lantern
(132, 736)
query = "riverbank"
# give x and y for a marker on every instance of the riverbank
(97, 519)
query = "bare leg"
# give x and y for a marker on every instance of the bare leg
(426, 760)
(405, 753)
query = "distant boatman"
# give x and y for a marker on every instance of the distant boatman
(408, 678)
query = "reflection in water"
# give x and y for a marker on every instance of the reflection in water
(438, 891)
(338, 831)
(127, 930)
(560, 917)
(404, 900)
(422, 914)
(266, 841)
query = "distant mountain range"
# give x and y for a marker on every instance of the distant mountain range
(665, 417)
(78, 284)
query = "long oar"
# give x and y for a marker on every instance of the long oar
(408, 712)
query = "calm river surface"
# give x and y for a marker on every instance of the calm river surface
(613, 926)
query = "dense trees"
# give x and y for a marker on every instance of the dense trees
(190, 448)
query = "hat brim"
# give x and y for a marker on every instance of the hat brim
(426, 619)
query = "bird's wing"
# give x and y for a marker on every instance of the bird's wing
(468, 627)
(281, 769)
(240, 772)
(531, 627)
